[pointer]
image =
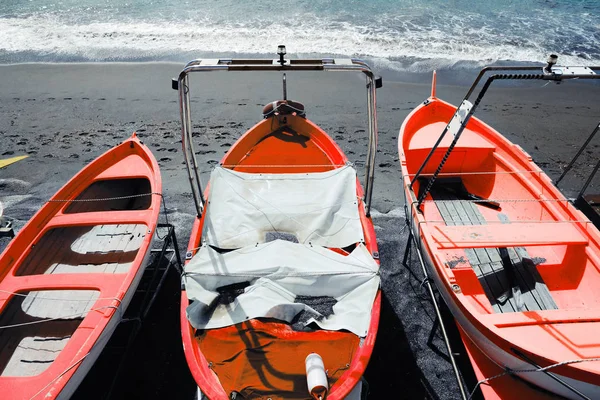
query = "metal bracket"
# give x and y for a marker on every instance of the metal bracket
(6, 229)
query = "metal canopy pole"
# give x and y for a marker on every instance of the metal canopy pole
(438, 314)
(326, 64)
(568, 168)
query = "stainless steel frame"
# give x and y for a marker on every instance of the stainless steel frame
(326, 64)
(549, 73)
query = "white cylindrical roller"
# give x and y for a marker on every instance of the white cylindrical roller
(316, 378)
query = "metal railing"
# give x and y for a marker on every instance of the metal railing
(282, 65)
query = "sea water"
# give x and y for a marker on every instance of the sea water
(401, 35)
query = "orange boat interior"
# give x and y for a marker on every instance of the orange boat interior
(490, 196)
(264, 358)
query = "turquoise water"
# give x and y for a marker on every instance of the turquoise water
(403, 35)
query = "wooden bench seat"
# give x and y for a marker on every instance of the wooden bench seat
(507, 235)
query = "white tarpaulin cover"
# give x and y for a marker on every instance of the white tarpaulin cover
(320, 208)
(278, 272)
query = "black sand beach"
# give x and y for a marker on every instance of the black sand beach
(63, 116)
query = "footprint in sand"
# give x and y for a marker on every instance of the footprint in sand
(165, 159)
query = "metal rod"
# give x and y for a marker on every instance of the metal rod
(491, 68)
(372, 149)
(433, 149)
(454, 141)
(191, 145)
(589, 180)
(185, 126)
(550, 374)
(438, 314)
(568, 168)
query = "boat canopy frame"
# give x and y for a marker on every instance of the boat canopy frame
(465, 111)
(277, 65)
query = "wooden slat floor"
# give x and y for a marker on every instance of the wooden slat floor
(487, 263)
(29, 349)
(85, 249)
(111, 249)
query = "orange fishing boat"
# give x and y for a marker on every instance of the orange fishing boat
(70, 272)
(280, 294)
(517, 264)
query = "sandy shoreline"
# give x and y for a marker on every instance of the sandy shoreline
(65, 115)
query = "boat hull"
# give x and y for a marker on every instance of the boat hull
(90, 243)
(481, 325)
(260, 151)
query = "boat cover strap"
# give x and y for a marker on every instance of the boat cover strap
(319, 208)
(273, 279)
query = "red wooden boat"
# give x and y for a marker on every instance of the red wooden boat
(517, 264)
(283, 225)
(70, 272)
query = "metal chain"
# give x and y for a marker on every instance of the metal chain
(499, 200)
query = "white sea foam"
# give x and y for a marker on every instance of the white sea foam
(408, 46)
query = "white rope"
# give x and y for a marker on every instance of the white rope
(70, 367)
(57, 299)
(104, 199)
(509, 371)
(281, 165)
(294, 274)
(57, 318)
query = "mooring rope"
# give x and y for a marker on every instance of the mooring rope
(58, 318)
(132, 196)
(509, 371)
(70, 367)
(57, 299)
